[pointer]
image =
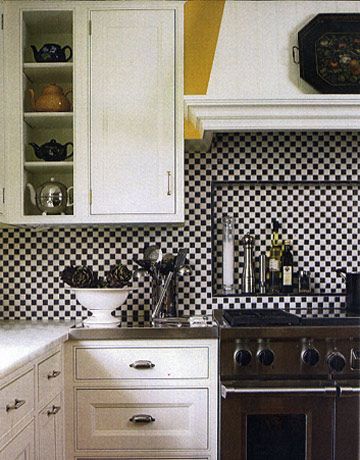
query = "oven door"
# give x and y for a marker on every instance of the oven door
(277, 420)
(347, 441)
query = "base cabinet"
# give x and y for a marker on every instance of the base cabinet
(32, 413)
(22, 447)
(50, 422)
(152, 411)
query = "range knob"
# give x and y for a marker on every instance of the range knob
(336, 361)
(311, 356)
(266, 356)
(243, 357)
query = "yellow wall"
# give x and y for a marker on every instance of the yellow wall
(201, 29)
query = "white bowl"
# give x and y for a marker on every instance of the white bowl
(101, 302)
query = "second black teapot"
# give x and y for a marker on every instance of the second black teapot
(52, 151)
(51, 52)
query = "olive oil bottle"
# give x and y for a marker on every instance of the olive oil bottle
(287, 264)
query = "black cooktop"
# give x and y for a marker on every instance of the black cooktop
(277, 317)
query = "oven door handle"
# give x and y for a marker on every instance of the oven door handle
(277, 390)
(348, 390)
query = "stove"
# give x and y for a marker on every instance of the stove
(288, 381)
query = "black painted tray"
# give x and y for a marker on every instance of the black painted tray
(329, 53)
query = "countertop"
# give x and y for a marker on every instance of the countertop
(23, 341)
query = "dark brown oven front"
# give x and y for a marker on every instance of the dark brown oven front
(286, 421)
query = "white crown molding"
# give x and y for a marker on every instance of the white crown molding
(313, 112)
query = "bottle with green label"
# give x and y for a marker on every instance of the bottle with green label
(287, 264)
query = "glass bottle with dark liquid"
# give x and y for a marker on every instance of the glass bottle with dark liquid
(287, 264)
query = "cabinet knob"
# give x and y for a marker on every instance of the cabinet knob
(142, 364)
(142, 418)
(53, 374)
(53, 411)
(15, 405)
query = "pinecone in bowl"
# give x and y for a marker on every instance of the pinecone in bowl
(80, 276)
(118, 276)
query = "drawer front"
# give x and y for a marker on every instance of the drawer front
(142, 363)
(142, 419)
(50, 378)
(50, 425)
(22, 447)
(16, 401)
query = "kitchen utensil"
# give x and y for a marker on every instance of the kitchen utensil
(52, 99)
(262, 272)
(51, 197)
(52, 151)
(352, 291)
(248, 275)
(179, 262)
(52, 52)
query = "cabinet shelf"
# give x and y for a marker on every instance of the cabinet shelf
(49, 119)
(48, 72)
(48, 167)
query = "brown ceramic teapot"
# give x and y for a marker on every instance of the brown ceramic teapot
(52, 99)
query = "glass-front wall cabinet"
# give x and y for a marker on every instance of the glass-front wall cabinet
(47, 134)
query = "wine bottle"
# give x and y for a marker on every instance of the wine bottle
(287, 263)
(275, 259)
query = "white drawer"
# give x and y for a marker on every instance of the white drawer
(16, 401)
(50, 378)
(141, 363)
(106, 419)
(22, 447)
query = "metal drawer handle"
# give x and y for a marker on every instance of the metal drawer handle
(142, 418)
(53, 374)
(142, 364)
(53, 411)
(17, 404)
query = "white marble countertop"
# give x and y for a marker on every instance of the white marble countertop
(23, 341)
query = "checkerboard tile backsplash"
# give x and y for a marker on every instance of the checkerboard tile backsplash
(32, 261)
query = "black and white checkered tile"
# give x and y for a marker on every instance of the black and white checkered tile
(321, 220)
(30, 262)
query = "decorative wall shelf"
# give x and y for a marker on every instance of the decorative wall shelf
(311, 112)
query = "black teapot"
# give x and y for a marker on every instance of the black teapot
(52, 151)
(51, 52)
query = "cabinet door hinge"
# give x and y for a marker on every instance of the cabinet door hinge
(2, 21)
(89, 27)
(90, 197)
(3, 195)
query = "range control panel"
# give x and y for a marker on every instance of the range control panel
(293, 357)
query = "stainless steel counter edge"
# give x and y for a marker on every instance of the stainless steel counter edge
(141, 333)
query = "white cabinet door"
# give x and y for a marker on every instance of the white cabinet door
(51, 431)
(133, 120)
(21, 447)
(2, 128)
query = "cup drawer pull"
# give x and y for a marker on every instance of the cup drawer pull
(142, 418)
(142, 364)
(53, 411)
(16, 405)
(53, 374)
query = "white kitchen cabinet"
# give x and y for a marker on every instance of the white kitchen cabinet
(141, 399)
(135, 155)
(2, 127)
(22, 447)
(32, 415)
(125, 121)
(51, 427)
